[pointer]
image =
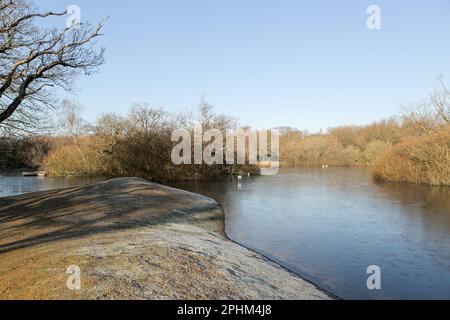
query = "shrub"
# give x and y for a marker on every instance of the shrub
(66, 158)
(318, 150)
(372, 151)
(423, 160)
(137, 145)
(23, 152)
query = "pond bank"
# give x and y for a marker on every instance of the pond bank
(131, 239)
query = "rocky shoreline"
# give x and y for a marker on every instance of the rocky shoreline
(131, 239)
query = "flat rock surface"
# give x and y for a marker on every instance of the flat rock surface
(131, 239)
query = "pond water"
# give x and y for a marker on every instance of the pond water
(13, 183)
(329, 226)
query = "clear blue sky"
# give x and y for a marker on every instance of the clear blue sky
(306, 64)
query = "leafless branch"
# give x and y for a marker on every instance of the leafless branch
(34, 60)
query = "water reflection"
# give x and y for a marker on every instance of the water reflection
(330, 225)
(12, 183)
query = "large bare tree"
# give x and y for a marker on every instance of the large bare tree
(35, 61)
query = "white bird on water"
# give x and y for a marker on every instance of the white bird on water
(239, 177)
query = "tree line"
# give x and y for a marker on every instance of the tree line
(413, 147)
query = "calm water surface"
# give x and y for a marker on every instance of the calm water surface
(12, 183)
(329, 225)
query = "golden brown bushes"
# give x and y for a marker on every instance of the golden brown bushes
(423, 160)
(389, 131)
(410, 148)
(66, 158)
(318, 150)
(372, 151)
(138, 145)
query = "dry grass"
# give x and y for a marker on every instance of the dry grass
(422, 160)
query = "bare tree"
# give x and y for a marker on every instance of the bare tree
(209, 119)
(440, 100)
(33, 60)
(420, 118)
(429, 114)
(75, 126)
(147, 119)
